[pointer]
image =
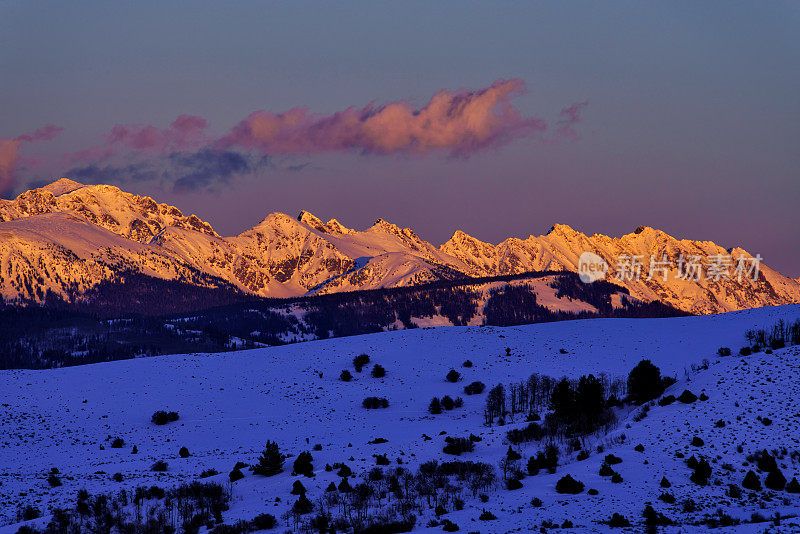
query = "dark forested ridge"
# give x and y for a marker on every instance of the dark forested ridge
(141, 316)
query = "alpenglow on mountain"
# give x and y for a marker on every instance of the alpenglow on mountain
(67, 238)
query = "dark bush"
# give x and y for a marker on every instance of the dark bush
(378, 371)
(235, 475)
(513, 484)
(644, 382)
(531, 432)
(567, 484)
(345, 376)
(162, 417)
(453, 376)
(360, 361)
(456, 446)
(447, 402)
(263, 521)
(618, 521)
(766, 462)
(298, 488)
(374, 403)
(702, 472)
(606, 470)
(775, 480)
(687, 397)
(303, 465)
(697, 441)
(666, 400)
(793, 486)
(183, 452)
(435, 406)
(724, 351)
(28, 512)
(118, 443)
(474, 388)
(467, 363)
(651, 517)
(751, 481)
(302, 505)
(487, 516)
(610, 459)
(160, 466)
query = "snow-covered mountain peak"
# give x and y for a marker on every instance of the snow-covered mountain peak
(62, 186)
(384, 226)
(561, 229)
(335, 227)
(311, 220)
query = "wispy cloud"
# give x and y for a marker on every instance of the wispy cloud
(185, 171)
(454, 123)
(568, 120)
(9, 153)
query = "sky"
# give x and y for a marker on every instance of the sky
(496, 119)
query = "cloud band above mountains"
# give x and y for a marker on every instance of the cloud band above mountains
(454, 123)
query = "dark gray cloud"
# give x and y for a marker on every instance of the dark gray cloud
(185, 171)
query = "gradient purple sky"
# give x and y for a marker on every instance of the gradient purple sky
(692, 122)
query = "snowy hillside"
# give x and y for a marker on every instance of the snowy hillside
(285, 256)
(230, 404)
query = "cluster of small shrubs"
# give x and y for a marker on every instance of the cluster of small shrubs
(474, 388)
(547, 459)
(360, 361)
(456, 446)
(445, 403)
(775, 480)
(162, 417)
(187, 508)
(374, 403)
(701, 470)
(530, 432)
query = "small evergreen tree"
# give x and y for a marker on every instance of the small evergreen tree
(270, 462)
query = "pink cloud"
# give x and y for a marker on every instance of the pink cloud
(47, 133)
(459, 122)
(187, 131)
(9, 152)
(568, 118)
(9, 155)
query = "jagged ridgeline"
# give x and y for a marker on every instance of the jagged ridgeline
(64, 333)
(84, 243)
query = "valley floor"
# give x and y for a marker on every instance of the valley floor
(230, 404)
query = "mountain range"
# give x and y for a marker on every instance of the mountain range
(65, 238)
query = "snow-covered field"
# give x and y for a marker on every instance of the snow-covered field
(230, 404)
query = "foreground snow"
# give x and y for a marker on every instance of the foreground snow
(231, 404)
